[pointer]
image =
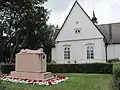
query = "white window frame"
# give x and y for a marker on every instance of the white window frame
(90, 51)
(67, 53)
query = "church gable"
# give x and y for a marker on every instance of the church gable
(78, 26)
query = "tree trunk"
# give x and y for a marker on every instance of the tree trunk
(24, 40)
(13, 50)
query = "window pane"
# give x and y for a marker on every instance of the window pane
(92, 57)
(88, 51)
(88, 57)
(65, 49)
(87, 47)
(64, 57)
(92, 54)
(75, 31)
(91, 51)
(91, 48)
(78, 31)
(68, 49)
(68, 57)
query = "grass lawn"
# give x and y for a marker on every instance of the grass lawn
(76, 82)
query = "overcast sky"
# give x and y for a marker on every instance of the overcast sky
(107, 11)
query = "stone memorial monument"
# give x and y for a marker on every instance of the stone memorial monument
(31, 64)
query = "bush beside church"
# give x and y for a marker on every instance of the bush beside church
(81, 68)
(101, 68)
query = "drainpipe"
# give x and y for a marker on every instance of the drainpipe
(106, 45)
(110, 37)
(109, 42)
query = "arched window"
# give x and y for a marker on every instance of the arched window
(90, 52)
(67, 53)
(77, 30)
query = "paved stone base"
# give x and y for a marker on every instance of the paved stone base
(32, 75)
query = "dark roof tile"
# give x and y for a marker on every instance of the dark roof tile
(115, 32)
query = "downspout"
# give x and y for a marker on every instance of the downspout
(108, 42)
(110, 36)
(106, 45)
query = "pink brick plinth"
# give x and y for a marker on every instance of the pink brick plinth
(31, 75)
(31, 64)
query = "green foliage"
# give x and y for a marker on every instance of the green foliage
(80, 68)
(7, 68)
(116, 78)
(24, 23)
(52, 62)
(113, 60)
(116, 65)
(69, 68)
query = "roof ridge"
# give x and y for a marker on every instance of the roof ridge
(109, 23)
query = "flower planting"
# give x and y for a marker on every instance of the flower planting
(55, 80)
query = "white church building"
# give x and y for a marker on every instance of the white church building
(80, 40)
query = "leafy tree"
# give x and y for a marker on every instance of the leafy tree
(49, 42)
(24, 23)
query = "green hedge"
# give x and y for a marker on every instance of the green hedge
(116, 78)
(113, 60)
(70, 68)
(81, 68)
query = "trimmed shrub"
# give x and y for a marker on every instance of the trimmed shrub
(7, 68)
(52, 62)
(116, 78)
(102, 68)
(81, 68)
(113, 60)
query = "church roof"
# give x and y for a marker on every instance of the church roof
(111, 32)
